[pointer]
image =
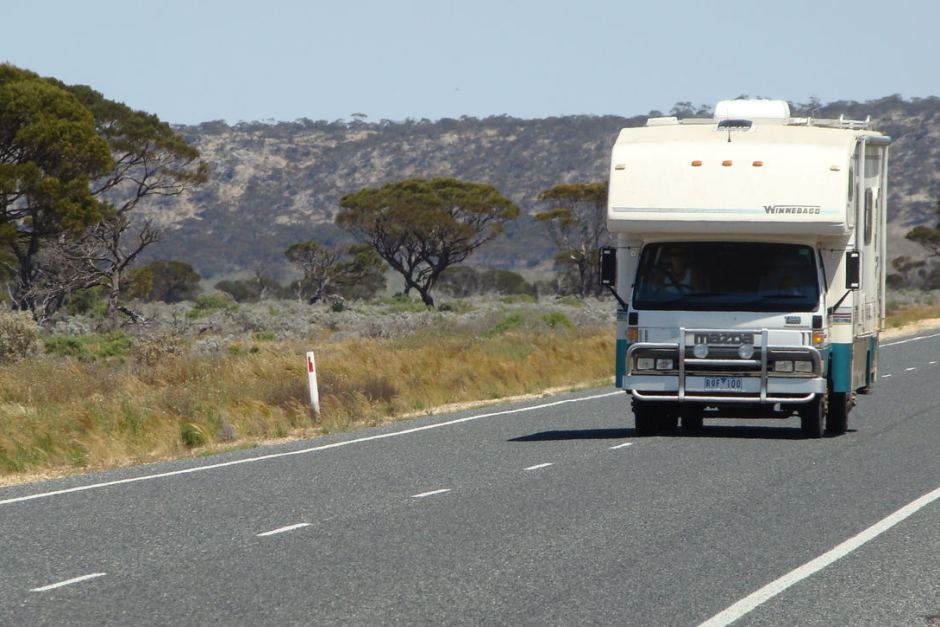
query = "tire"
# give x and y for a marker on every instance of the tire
(645, 417)
(813, 417)
(837, 418)
(668, 421)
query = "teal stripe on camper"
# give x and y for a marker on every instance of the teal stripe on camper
(840, 371)
(621, 361)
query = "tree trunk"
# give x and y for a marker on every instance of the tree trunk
(426, 297)
(114, 293)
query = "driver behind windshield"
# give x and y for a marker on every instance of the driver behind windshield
(674, 276)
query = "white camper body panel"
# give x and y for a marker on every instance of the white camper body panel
(770, 179)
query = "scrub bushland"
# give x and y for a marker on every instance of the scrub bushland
(99, 401)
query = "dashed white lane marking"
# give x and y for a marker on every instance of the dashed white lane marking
(911, 339)
(537, 466)
(909, 369)
(312, 449)
(282, 530)
(614, 448)
(431, 493)
(931, 362)
(777, 586)
(886, 376)
(67, 582)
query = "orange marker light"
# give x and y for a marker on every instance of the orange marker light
(757, 164)
(697, 163)
(633, 334)
(726, 162)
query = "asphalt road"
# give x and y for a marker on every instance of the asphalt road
(551, 511)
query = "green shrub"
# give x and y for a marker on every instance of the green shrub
(264, 336)
(193, 435)
(208, 304)
(510, 322)
(90, 347)
(19, 335)
(456, 306)
(556, 319)
(571, 301)
(513, 299)
(402, 304)
(87, 302)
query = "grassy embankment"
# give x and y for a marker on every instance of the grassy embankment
(111, 401)
(114, 404)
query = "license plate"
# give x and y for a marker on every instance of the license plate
(724, 384)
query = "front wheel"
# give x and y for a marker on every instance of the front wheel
(645, 417)
(813, 417)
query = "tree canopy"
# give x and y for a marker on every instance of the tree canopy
(928, 237)
(421, 227)
(576, 223)
(73, 166)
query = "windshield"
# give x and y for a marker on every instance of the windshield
(727, 276)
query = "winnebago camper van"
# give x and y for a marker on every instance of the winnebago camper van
(749, 265)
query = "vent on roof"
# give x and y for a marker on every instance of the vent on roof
(766, 111)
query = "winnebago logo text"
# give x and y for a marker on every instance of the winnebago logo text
(793, 209)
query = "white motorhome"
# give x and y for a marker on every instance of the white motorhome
(749, 265)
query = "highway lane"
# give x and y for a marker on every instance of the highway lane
(670, 529)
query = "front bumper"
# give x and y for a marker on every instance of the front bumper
(757, 384)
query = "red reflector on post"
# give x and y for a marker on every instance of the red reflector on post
(696, 163)
(757, 164)
(726, 162)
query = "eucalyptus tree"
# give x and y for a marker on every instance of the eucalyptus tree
(421, 227)
(576, 223)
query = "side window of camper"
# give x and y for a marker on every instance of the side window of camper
(869, 212)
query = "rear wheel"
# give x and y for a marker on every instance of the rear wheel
(813, 417)
(837, 420)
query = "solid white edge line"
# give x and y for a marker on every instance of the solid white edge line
(777, 586)
(312, 449)
(911, 339)
(537, 466)
(67, 582)
(614, 448)
(282, 530)
(431, 493)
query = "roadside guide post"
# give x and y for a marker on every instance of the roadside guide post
(312, 378)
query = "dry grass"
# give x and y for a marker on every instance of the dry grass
(909, 314)
(62, 415)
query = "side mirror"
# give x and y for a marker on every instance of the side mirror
(853, 270)
(609, 266)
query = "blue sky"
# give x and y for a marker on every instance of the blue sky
(191, 61)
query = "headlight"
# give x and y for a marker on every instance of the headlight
(783, 366)
(645, 363)
(803, 366)
(700, 351)
(664, 364)
(746, 351)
